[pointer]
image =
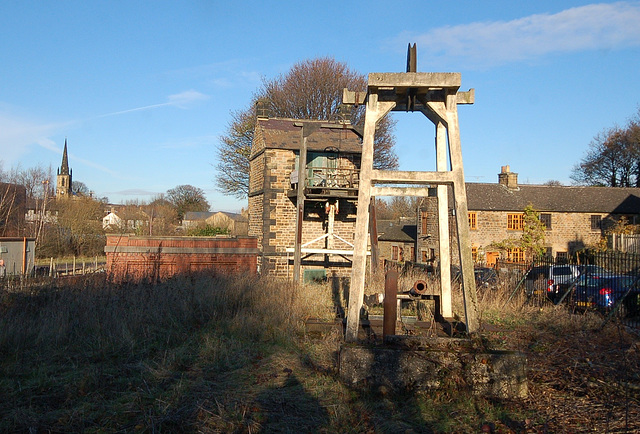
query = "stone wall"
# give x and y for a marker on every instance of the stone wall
(272, 216)
(569, 231)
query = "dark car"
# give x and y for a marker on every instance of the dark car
(550, 280)
(485, 277)
(593, 270)
(603, 292)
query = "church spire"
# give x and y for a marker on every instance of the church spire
(64, 182)
(64, 168)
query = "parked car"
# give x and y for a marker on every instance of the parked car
(485, 277)
(593, 270)
(603, 292)
(551, 280)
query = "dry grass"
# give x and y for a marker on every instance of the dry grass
(213, 354)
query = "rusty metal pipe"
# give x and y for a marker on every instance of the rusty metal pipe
(390, 303)
(419, 288)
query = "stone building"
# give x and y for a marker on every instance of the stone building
(397, 239)
(574, 217)
(329, 194)
(234, 223)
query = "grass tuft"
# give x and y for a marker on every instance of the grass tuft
(203, 353)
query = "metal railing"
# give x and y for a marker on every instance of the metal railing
(331, 177)
(606, 282)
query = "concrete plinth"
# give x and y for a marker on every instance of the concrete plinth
(429, 364)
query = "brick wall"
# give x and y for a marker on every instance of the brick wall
(161, 257)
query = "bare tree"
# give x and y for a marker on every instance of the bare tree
(12, 199)
(80, 188)
(187, 198)
(613, 158)
(80, 222)
(312, 89)
(233, 154)
(163, 216)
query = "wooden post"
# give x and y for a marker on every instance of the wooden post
(390, 307)
(373, 230)
(443, 222)
(302, 180)
(375, 111)
(24, 255)
(436, 96)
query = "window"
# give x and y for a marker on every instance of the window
(545, 219)
(562, 257)
(423, 222)
(473, 221)
(413, 254)
(596, 222)
(515, 222)
(474, 254)
(425, 256)
(394, 253)
(515, 255)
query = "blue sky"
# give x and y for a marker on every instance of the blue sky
(143, 90)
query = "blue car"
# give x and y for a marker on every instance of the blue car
(603, 292)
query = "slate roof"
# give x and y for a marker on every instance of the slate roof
(282, 133)
(497, 197)
(394, 230)
(197, 215)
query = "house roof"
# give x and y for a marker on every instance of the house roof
(203, 215)
(282, 133)
(497, 197)
(396, 230)
(233, 216)
(197, 215)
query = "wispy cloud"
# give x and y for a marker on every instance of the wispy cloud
(592, 27)
(182, 100)
(17, 134)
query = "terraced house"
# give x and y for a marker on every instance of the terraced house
(574, 217)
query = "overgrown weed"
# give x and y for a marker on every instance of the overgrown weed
(205, 353)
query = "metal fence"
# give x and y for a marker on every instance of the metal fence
(606, 282)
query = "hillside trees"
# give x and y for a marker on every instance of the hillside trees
(187, 198)
(613, 158)
(311, 89)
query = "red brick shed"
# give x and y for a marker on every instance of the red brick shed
(131, 257)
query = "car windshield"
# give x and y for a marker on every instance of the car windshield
(592, 269)
(562, 271)
(621, 282)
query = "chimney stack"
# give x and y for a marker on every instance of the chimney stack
(508, 178)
